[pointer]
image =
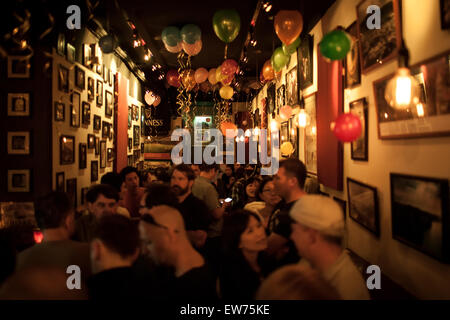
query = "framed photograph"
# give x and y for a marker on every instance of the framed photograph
(130, 144)
(63, 78)
(97, 146)
(75, 109)
(79, 78)
(97, 122)
(99, 93)
(61, 44)
(294, 134)
(86, 118)
(310, 135)
(18, 67)
(18, 104)
(135, 116)
(359, 148)
(18, 142)
(305, 62)
(378, 45)
(82, 156)
(420, 214)
(71, 190)
(19, 180)
(103, 154)
(292, 87)
(136, 134)
(108, 104)
(431, 116)
(130, 117)
(60, 182)
(71, 53)
(284, 132)
(94, 170)
(84, 191)
(363, 205)
(271, 97)
(105, 129)
(351, 64)
(142, 147)
(110, 154)
(60, 111)
(445, 14)
(90, 89)
(343, 204)
(91, 141)
(281, 97)
(87, 55)
(66, 150)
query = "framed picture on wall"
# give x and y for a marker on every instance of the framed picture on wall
(19, 180)
(310, 135)
(363, 205)
(105, 129)
(70, 52)
(18, 104)
(66, 150)
(305, 62)
(359, 147)
(108, 104)
(431, 116)
(110, 154)
(63, 78)
(351, 63)
(420, 214)
(59, 111)
(271, 97)
(103, 154)
(94, 170)
(280, 97)
(97, 122)
(79, 78)
(136, 134)
(82, 156)
(87, 55)
(71, 190)
(90, 89)
(445, 14)
(293, 136)
(99, 93)
(60, 182)
(292, 87)
(130, 144)
(284, 132)
(91, 141)
(18, 142)
(97, 146)
(86, 118)
(75, 109)
(378, 45)
(130, 117)
(18, 67)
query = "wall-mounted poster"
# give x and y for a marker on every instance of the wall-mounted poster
(305, 61)
(281, 91)
(420, 214)
(359, 148)
(429, 117)
(311, 135)
(271, 97)
(378, 45)
(351, 63)
(292, 87)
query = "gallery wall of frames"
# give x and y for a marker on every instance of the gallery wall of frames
(396, 175)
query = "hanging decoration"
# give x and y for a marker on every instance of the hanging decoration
(226, 25)
(347, 127)
(226, 92)
(201, 75)
(267, 71)
(184, 99)
(290, 49)
(212, 76)
(229, 67)
(286, 149)
(173, 78)
(288, 25)
(279, 60)
(335, 45)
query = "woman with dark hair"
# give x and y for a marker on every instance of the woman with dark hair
(244, 262)
(247, 193)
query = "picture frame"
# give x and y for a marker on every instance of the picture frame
(135, 112)
(271, 98)
(61, 44)
(60, 111)
(18, 142)
(94, 170)
(352, 63)
(66, 150)
(63, 78)
(420, 214)
(18, 67)
(91, 141)
(305, 60)
(97, 122)
(130, 117)
(87, 55)
(86, 113)
(84, 192)
(360, 147)
(82, 156)
(90, 89)
(130, 144)
(110, 154)
(429, 118)
(108, 104)
(136, 136)
(343, 204)
(19, 180)
(80, 78)
(363, 205)
(99, 92)
(105, 129)
(310, 135)
(294, 135)
(18, 105)
(378, 46)
(445, 14)
(75, 109)
(102, 153)
(60, 182)
(281, 101)
(97, 146)
(292, 87)
(70, 52)
(284, 132)
(71, 190)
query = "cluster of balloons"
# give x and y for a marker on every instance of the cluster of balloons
(189, 39)
(224, 74)
(226, 25)
(335, 45)
(152, 99)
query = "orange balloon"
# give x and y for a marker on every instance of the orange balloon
(267, 71)
(188, 79)
(228, 125)
(288, 25)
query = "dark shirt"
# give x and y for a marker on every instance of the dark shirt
(85, 224)
(195, 214)
(198, 284)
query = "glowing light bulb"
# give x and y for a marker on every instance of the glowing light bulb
(402, 90)
(313, 130)
(273, 125)
(420, 110)
(302, 118)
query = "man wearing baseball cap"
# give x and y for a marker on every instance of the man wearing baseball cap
(317, 232)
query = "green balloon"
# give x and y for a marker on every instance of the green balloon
(279, 59)
(226, 24)
(290, 49)
(335, 45)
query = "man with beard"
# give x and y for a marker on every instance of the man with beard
(195, 214)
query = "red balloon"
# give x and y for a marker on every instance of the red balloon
(173, 78)
(229, 67)
(347, 127)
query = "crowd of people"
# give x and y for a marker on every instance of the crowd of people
(192, 232)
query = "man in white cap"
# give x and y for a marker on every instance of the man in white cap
(317, 232)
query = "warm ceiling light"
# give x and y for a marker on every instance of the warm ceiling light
(403, 90)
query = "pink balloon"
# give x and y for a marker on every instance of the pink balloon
(201, 75)
(212, 76)
(285, 112)
(192, 49)
(173, 78)
(157, 101)
(347, 127)
(229, 66)
(175, 49)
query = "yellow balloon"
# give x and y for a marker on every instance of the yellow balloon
(226, 92)
(286, 149)
(219, 75)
